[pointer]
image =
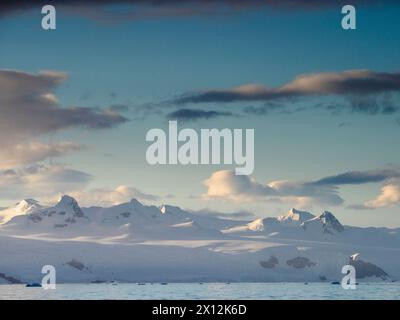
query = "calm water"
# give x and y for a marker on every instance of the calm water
(204, 291)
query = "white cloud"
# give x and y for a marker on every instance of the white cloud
(389, 196)
(41, 181)
(32, 152)
(226, 185)
(109, 197)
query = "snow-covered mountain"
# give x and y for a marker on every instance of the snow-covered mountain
(23, 207)
(136, 242)
(294, 223)
(295, 217)
(65, 214)
(324, 223)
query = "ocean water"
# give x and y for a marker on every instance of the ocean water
(182, 291)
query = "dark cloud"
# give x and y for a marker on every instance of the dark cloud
(162, 8)
(118, 108)
(273, 107)
(373, 104)
(265, 108)
(367, 91)
(142, 9)
(359, 177)
(196, 114)
(29, 108)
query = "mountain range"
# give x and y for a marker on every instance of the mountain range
(133, 242)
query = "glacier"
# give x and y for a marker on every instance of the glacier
(133, 242)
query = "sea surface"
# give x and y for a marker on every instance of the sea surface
(182, 291)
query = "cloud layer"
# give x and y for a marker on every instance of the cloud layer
(108, 197)
(359, 177)
(150, 9)
(196, 114)
(226, 185)
(41, 181)
(360, 87)
(389, 196)
(29, 108)
(32, 152)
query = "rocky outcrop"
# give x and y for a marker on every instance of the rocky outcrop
(9, 279)
(300, 262)
(77, 265)
(271, 263)
(325, 223)
(367, 269)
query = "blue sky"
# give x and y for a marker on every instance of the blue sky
(138, 63)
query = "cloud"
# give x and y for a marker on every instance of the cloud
(306, 193)
(359, 177)
(226, 215)
(29, 108)
(360, 87)
(196, 114)
(151, 9)
(226, 185)
(41, 181)
(109, 197)
(32, 152)
(49, 182)
(389, 196)
(266, 108)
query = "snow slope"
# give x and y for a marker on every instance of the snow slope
(135, 242)
(21, 208)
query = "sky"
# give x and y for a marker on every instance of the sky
(76, 104)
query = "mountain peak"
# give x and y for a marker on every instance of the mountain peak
(24, 207)
(330, 221)
(296, 216)
(27, 203)
(135, 202)
(326, 222)
(66, 200)
(354, 257)
(68, 203)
